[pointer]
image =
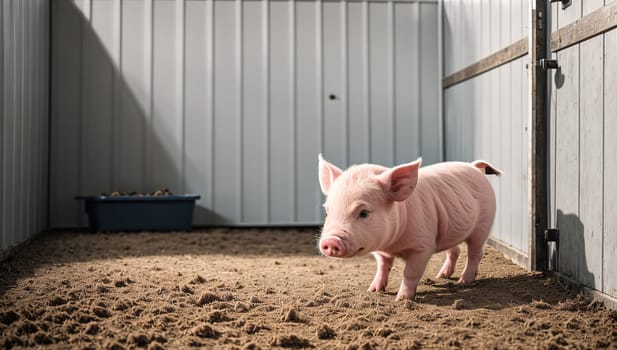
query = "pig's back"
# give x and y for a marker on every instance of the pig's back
(460, 198)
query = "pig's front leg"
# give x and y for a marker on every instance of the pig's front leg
(415, 264)
(384, 264)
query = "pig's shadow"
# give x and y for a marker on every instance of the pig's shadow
(490, 293)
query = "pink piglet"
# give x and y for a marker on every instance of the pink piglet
(408, 212)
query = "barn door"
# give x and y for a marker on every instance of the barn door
(582, 142)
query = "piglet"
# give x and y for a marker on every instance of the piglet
(410, 213)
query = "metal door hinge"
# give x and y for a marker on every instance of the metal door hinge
(564, 3)
(545, 64)
(551, 238)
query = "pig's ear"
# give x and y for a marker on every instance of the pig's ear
(327, 174)
(401, 180)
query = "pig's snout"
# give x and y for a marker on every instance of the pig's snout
(332, 246)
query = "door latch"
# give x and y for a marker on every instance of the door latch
(545, 64)
(564, 3)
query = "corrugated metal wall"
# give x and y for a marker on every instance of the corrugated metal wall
(584, 153)
(24, 62)
(486, 117)
(233, 100)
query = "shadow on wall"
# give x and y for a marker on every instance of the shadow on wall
(115, 126)
(560, 79)
(572, 253)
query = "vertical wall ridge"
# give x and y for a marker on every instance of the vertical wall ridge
(209, 15)
(418, 81)
(391, 83)
(34, 121)
(293, 110)
(180, 89)
(605, 280)
(319, 84)
(149, 119)
(344, 82)
(147, 81)
(367, 78)
(3, 109)
(239, 103)
(18, 127)
(267, 83)
(45, 175)
(23, 115)
(87, 10)
(8, 122)
(116, 71)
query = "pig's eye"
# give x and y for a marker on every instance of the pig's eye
(363, 214)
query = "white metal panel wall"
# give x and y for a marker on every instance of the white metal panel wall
(583, 149)
(474, 29)
(233, 100)
(24, 57)
(486, 117)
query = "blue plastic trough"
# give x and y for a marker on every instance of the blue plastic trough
(140, 213)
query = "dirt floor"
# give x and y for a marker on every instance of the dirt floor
(261, 289)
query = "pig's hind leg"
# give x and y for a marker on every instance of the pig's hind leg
(475, 251)
(384, 265)
(450, 263)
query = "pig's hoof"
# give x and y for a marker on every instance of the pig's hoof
(442, 275)
(465, 282)
(400, 297)
(445, 272)
(467, 279)
(378, 285)
(376, 289)
(406, 294)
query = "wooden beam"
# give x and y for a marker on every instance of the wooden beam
(595, 23)
(495, 60)
(538, 146)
